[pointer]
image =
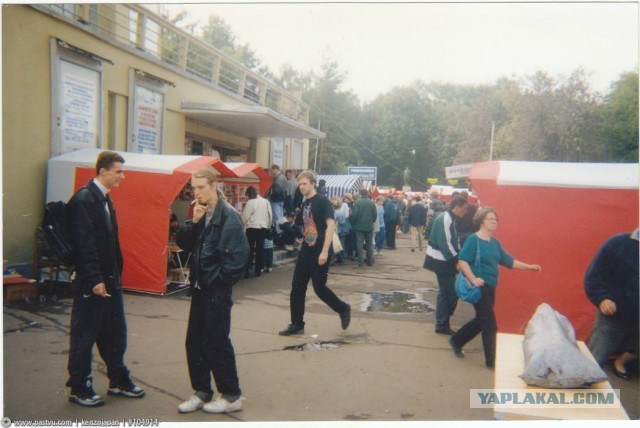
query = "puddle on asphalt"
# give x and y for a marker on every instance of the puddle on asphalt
(316, 346)
(397, 302)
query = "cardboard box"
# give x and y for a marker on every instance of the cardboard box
(19, 292)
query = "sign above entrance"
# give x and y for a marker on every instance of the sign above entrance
(369, 173)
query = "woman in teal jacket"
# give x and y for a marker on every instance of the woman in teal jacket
(485, 275)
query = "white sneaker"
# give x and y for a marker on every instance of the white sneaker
(192, 404)
(221, 405)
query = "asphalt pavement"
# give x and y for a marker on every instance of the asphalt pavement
(389, 365)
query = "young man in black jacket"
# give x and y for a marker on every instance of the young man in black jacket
(215, 236)
(97, 316)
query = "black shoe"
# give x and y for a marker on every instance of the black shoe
(622, 375)
(446, 330)
(345, 317)
(457, 351)
(127, 389)
(86, 396)
(292, 329)
(247, 274)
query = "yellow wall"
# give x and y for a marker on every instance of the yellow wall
(26, 133)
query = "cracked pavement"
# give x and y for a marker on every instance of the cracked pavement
(387, 366)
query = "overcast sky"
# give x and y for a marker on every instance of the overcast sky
(383, 45)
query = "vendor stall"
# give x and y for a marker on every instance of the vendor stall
(338, 185)
(144, 203)
(556, 215)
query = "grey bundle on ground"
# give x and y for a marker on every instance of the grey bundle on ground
(551, 354)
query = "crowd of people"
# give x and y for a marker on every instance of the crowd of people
(226, 245)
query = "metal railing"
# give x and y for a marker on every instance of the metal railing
(149, 35)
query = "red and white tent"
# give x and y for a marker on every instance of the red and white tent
(143, 203)
(556, 215)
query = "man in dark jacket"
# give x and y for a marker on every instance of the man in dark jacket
(391, 215)
(97, 316)
(611, 284)
(362, 217)
(418, 220)
(278, 193)
(215, 236)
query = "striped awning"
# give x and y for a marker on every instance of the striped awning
(338, 185)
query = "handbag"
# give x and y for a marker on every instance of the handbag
(337, 245)
(464, 289)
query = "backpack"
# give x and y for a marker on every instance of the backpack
(56, 231)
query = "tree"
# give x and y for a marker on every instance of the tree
(219, 34)
(399, 136)
(338, 113)
(620, 119)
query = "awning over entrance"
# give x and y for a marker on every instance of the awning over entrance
(249, 121)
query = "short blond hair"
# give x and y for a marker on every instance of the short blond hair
(308, 174)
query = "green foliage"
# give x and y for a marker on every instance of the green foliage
(219, 34)
(338, 114)
(620, 119)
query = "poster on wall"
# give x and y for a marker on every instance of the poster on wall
(79, 107)
(277, 152)
(296, 154)
(148, 115)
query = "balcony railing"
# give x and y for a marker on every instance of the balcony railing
(149, 35)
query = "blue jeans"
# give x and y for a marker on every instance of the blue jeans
(447, 300)
(278, 211)
(209, 348)
(380, 237)
(366, 238)
(342, 254)
(610, 336)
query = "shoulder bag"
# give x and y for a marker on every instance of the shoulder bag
(464, 289)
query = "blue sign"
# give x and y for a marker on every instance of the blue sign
(367, 172)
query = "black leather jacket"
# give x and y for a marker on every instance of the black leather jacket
(220, 250)
(94, 233)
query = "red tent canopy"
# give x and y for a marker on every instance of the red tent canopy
(556, 215)
(142, 202)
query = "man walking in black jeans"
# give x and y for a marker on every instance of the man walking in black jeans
(316, 219)
(215, 236)
(97, 316)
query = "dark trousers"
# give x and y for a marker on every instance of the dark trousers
(307, 268)
(97, 320)
(447, 300)
(209, 348)
(391, 232)
(256, 247)
(367, 239)
(350, 245)
(484, 322)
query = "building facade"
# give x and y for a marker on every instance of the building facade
(120, 77)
